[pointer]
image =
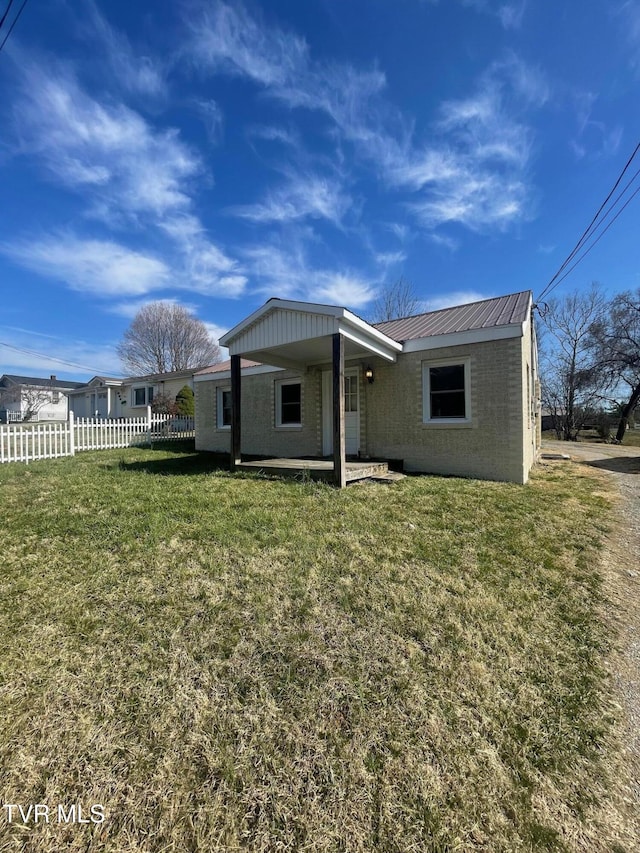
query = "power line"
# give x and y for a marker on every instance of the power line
(51, 358)
(6, 12)
(14, 22)
(599, 237)
(592, 227)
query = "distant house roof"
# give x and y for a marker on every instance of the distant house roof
(489, 313)
(40, 382)
(157, 377)
(221, 366)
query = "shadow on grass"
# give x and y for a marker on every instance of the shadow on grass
(180, 465)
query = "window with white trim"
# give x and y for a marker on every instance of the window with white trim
(289, 403)
(142, 396)
(445, 391)
(223, 406)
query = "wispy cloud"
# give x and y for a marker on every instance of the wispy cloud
(456, 297)
(302, 196)
(212, 117)
(473, 169)
(628, 13)
(127, 173)
(594, 139)
(134, 71)
(509, 14)
(102, 268)
(130, 308)
(287, 273)
(131, 169)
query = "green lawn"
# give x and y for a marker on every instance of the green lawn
(230, 663)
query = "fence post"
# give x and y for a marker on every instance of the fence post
(72, 434)
(149, 424)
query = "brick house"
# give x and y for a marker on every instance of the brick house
(453, 391)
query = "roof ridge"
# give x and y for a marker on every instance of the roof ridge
(451, 308)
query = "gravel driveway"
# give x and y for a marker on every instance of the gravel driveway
(621, 569)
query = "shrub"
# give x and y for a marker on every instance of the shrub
(164, 405)
(185, 402)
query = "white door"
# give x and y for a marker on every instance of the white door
(351, 412)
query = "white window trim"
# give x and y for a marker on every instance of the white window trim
(219, 408)
(278, 389)
(426, 395)
(144, 388)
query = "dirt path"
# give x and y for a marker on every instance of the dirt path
(621, 568)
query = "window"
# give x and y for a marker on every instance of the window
(55, 396)
(446, 392)
(351, 393)
(142, 396)
(289, 403)
(224, 408)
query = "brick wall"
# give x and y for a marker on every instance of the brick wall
(491, 446)
(260, 436)
(497, 444)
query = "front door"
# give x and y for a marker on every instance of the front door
(351, 411)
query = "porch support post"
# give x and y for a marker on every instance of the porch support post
(236, 456)
(339, 445)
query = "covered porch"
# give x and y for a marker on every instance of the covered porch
(298, 336)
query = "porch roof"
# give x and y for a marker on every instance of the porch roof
(285, 333)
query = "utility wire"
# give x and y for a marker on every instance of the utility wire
(6, 12)
(592, 227)
(52, 358)
(14, 22)
(599, 237)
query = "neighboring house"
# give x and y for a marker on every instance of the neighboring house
(34, 397)
(449, 392)
(107, 397)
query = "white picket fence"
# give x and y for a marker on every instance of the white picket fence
(16, 417)
(29, 442)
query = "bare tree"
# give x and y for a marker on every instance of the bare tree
(616, 338)
(572, 378)
(396, 300)
(164, 337)
(31, 398)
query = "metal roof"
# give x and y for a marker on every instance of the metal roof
(489, 313)
(221, 366)
(40, 382)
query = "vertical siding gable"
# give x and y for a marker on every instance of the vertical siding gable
(283, 327)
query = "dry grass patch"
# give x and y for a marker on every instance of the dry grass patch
(229, 663)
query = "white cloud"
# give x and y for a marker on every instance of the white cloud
(302, 196)
(99, 267)
(130, 308)
(132, 170)
(215, 331)
(445, 241)
(456, 297)
(288, 274)
(128, 173)
(213, 119)
(629, 15)
(594, 139)
(207, 268)
(474, 168)
(511, 15)
(135, 72)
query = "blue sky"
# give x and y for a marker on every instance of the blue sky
(219, 154)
